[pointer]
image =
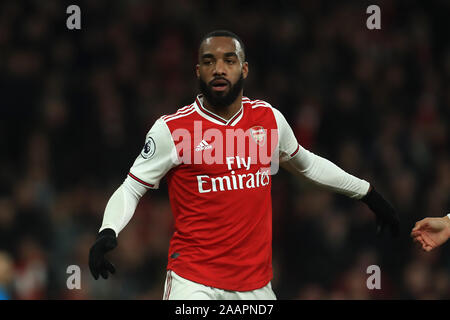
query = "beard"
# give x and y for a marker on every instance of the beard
(221, 99)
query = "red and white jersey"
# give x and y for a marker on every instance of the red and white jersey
(219, 175)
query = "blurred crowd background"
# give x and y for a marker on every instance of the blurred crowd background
(75, 106)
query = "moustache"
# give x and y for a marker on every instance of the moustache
(219, 80)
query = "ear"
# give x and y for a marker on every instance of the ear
(197, 71)
(245, 70)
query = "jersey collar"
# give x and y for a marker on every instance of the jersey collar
(211, 116)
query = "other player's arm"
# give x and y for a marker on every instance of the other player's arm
(430, 233)
(156, 158)
(329, 176)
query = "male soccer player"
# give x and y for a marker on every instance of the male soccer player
(430, 233)
(218, 155)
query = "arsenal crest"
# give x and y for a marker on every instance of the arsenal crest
(258, 134)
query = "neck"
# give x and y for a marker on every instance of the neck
(225, 112)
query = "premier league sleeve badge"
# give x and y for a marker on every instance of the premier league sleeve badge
(149, 148)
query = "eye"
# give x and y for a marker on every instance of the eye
(229, 61)
(207, 62)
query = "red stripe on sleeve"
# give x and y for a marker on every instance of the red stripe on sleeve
(295, 152)
(140, 181)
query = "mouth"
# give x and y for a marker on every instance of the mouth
(219, 85)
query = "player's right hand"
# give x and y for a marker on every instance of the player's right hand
(106, 241)
(431, 232)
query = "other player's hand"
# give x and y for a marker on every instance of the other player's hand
(431, 232)
(386, 217)
(106, 241)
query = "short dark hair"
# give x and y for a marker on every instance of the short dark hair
(224, 33)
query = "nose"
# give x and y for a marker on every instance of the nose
(219, 67)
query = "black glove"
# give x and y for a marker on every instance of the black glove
(385, 213)
(106, 241)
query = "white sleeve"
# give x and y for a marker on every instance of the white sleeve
(287, 142)
(326, 174)
(321, 171)
(157, 157)
(122, 204)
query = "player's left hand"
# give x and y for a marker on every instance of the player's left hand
(386, 216)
